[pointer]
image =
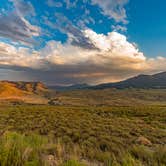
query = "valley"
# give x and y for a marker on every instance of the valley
(85, 126)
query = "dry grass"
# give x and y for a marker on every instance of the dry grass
(114, 97)
(107, 135)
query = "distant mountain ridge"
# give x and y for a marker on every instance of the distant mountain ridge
(156, 81)
(71, 87)
(20, 88)
(141, 81)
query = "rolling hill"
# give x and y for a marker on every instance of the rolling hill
(71, 87)
(139, 90)
(156, 81)
(142, 89)
(24, 91)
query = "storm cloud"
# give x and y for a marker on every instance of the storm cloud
(15, 26)
(64, 63)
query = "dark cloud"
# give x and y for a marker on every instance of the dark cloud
(14, 26)
(63, 63)
(17, 28)
(75, 35)
(68, 74)
(85, 57)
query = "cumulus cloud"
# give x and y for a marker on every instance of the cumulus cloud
(113, 59)
(86, 56)
(113, 8)
(15, 26)
(22, 57)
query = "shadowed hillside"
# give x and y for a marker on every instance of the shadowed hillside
(141, 81)
(156, 81)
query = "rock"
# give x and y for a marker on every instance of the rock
(143, 141)
(55, 101)
(51, 160)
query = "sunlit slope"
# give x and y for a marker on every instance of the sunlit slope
(24, 91)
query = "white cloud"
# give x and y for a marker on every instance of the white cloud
(15, 26)
(22, 57)
(117, 28)
(114, 44)
(112, 49)
(23, 8)
(113, 9)
(70, 4)
(52, 3)
(113, 59)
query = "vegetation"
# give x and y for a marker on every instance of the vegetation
(37, 93)
(113, 97)
(76, 136)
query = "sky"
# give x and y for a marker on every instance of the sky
(64, 42)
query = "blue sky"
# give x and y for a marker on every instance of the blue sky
(147, 26)
(77, 41)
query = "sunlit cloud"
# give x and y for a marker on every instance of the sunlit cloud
(114, 58)
(77, 42)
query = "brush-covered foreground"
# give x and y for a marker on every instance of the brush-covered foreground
(82, 136)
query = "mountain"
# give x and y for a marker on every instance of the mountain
(156, 81)
(72, 87)
(31, 92)
(21, 88)
(141, 81)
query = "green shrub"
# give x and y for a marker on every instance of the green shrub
(20, 150)
(128, 160)
(73, 163)
(106, 135)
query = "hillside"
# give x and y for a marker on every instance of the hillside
(141, 81)
(156, 81)
(142, 89)
(71, 87)
(24, 91)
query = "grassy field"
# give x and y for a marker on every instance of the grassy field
(87, 97)
(73, 136)
(113, 97)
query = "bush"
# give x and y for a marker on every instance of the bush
(19, 150)
(105, 135)
(73, 163)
